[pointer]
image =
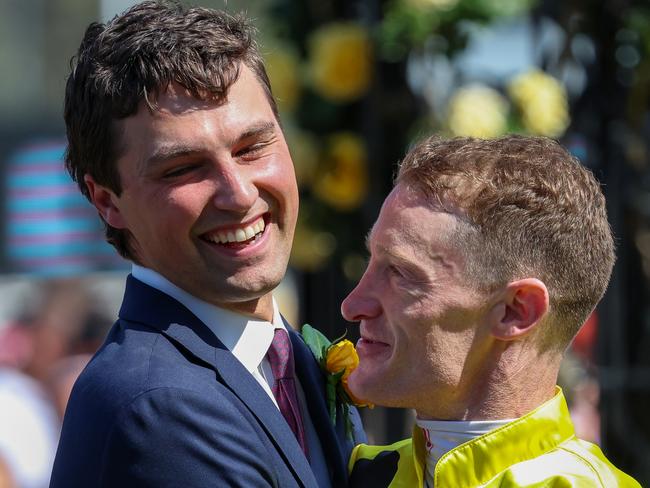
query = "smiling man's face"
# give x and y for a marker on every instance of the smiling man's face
(209, 194)
(420, 323)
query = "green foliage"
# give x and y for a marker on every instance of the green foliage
(409, 25)
(317, 342)
(638, 20)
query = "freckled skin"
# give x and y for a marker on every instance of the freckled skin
(413, 299)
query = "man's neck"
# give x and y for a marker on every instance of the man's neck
(507, 390)
(260, 308)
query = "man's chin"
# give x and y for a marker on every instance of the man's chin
(241, 298)
(367, 388)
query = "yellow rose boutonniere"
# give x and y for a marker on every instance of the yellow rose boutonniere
(341, 356)
(337, 359)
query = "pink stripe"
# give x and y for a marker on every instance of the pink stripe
(52, 238)
(52, 191)
(28, 215)
(43, 145)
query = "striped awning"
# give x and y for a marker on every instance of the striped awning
(50, 228)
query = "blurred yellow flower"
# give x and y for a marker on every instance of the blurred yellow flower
(311, 248)
(542, 101)
(344, 182)
(477, 111)
(304, 153)
(341, 356)
(341, 61)
(282, 66)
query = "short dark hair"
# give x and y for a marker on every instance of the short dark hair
(134, 57)
(532, 209)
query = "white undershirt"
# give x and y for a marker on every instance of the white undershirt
(441, 436)
(248, 339)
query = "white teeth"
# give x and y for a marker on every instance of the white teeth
(238, 235)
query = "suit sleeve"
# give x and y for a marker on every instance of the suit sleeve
(358, 433)
(171, 437)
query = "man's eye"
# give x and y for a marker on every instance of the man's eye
(179, 171)
(252, 150)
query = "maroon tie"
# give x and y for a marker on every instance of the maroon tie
(280, 358)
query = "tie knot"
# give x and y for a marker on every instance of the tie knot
(280, 356)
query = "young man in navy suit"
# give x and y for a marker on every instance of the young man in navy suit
(174, 136)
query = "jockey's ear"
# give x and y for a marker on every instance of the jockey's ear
(523, 305)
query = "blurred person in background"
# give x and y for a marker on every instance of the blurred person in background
(486, 258)
(29, 429)
(42, 352)
(52, 239)
(174, 136)
(6, 480)
(62, 377)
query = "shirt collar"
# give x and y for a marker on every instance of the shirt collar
(247, 338)
(479, 460)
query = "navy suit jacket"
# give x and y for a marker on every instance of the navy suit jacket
(164, 404)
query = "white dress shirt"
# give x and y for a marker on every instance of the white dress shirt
(247, 338)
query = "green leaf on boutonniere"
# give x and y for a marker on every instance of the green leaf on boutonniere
(337, 360)
(316, 341)
(348, 420)
(331, 393)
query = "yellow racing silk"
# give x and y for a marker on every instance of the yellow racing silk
(537, 450)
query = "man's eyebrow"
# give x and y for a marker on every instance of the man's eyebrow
(397, 257)
(383, 249)
(163, 154)
(172, 152)
(256, 130)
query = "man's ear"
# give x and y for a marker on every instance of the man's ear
(524, 303)
(106, 203)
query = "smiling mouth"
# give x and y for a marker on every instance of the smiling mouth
(369, 341)
(238, 237)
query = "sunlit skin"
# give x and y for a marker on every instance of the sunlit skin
(196, 169)
(429, 340)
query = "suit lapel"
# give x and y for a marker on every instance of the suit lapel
(313, 383)
(243, 385)
(145, 304)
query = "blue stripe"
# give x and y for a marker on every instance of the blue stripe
(38, 156)
(31, 180)
(53, 270)
(52, 226)
(46, 203)
(86, 249)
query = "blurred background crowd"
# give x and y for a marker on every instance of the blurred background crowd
(357, 81)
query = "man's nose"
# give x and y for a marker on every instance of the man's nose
(361, 303)
(236, 190)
